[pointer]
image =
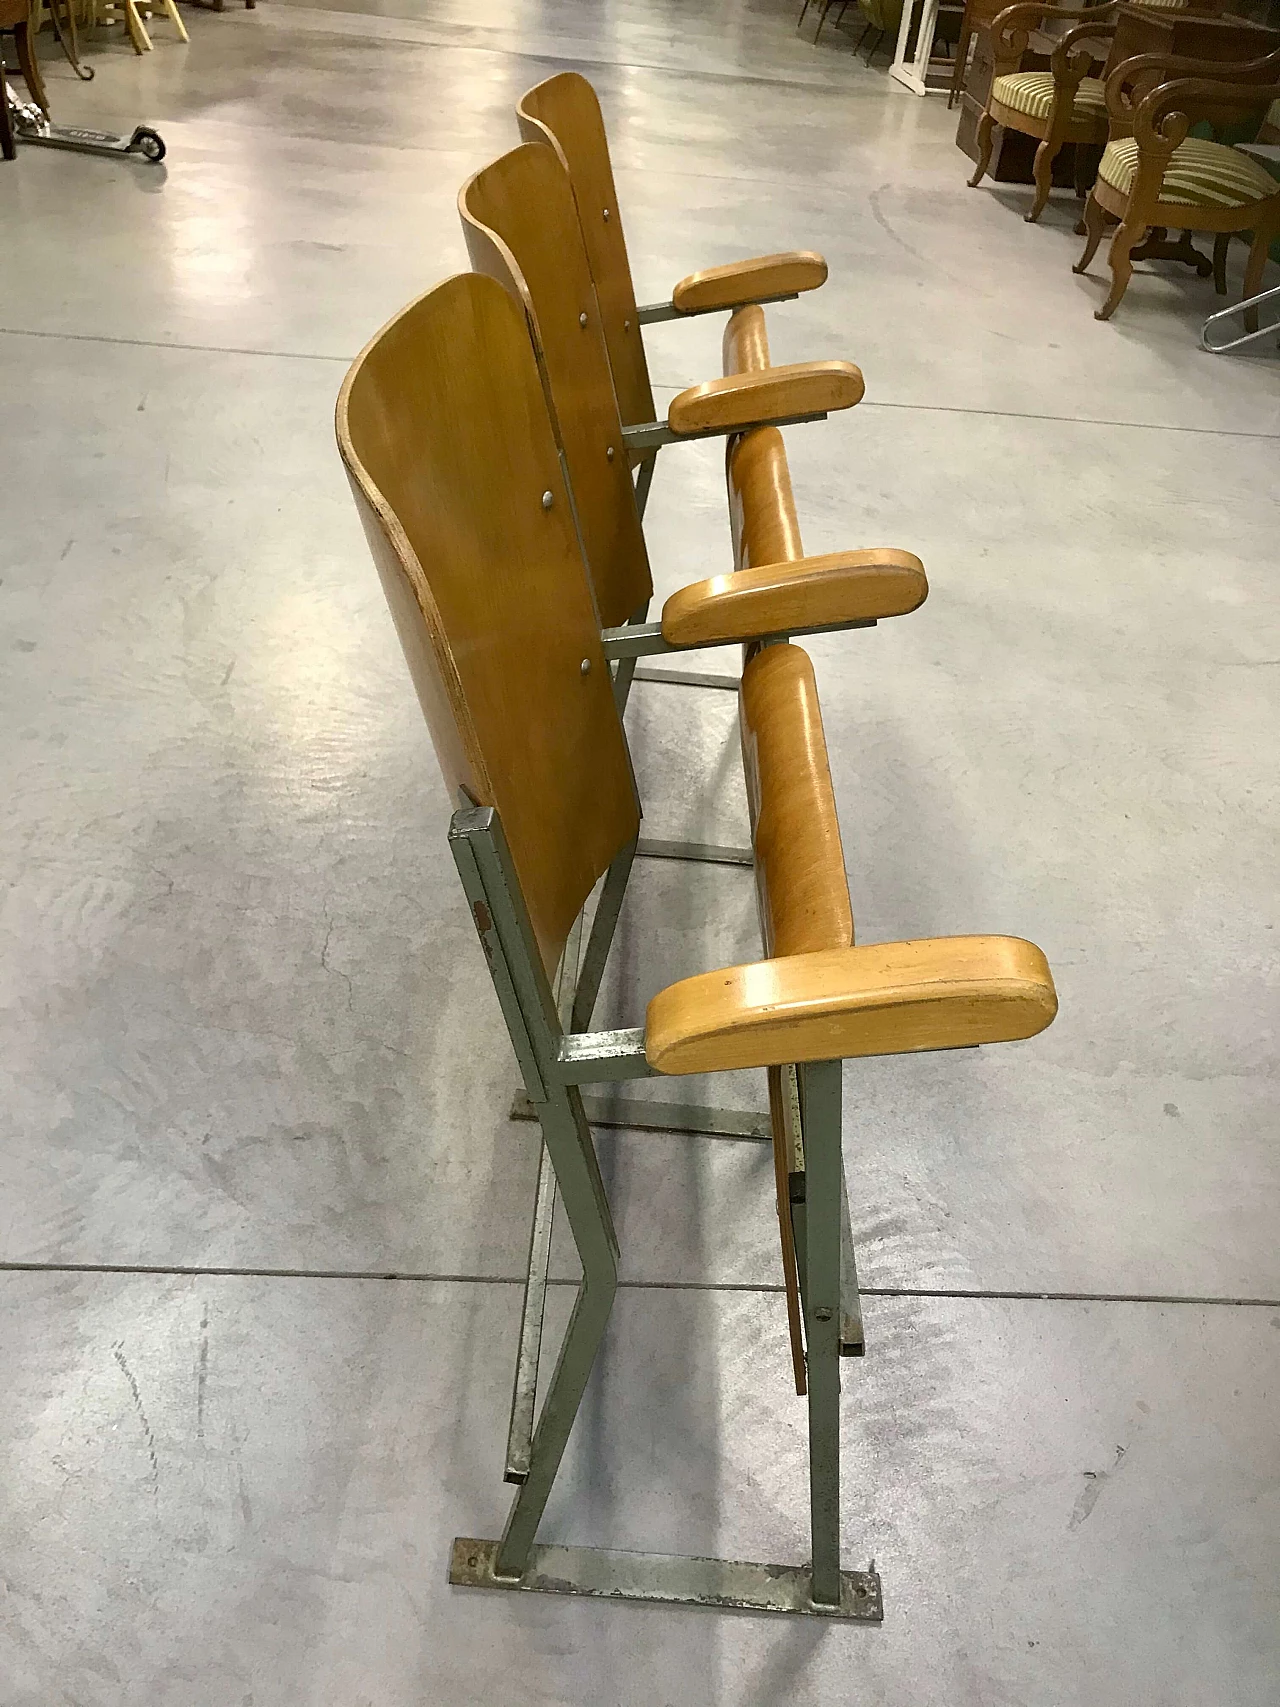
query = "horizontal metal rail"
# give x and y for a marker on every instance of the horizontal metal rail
(653, 313)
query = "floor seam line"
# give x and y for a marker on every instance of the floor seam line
(1009, 1294)
(661, 385)
(163, 344)
(547, 57)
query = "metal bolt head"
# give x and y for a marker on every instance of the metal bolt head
(547, 500)
(606, 216)
(822, 1314)
(585, 666)
(582, 318)
(626, 325)
(609, 453)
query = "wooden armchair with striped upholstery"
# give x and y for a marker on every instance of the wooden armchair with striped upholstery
(1154, 175)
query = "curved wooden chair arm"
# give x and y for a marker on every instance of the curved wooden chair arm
(1129, 84)
(785, 598)
(1070, 66)
(1166, 114)
(1011, 29)
(839, 1003)
(741, 282)
(776, 394)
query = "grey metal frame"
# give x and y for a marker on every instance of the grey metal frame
(651, 313)
(554, 1064)
(1224, 314)
(652, 435)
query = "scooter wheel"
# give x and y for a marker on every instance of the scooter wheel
(148, 143)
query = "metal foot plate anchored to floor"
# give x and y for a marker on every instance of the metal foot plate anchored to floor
(669, 1579)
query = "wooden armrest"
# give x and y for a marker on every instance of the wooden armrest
(749, 281)
(890, 999)
(785, 598)
(755, 399)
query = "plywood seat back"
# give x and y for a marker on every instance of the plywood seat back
(522, 229)
(447, 442)
(565, 113)
(801, 883)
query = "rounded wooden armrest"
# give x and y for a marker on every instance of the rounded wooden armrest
(889, 999)
(776, 394)
(749, 281)
(784, 598)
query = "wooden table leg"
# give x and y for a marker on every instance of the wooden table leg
(8, 149)
(30, 67)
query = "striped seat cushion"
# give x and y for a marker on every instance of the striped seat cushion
(1199, 174)
(1031, 92)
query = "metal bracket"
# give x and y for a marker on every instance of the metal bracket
(702, 853)
(688, 679)
(647, 1114)
(644, 639)
(653, 313)
(652, 435)
(669, 1579)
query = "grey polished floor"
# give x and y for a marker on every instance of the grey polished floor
(245, 1027)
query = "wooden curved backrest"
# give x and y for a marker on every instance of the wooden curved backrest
(522, 229)
(1134, 80)
(565, 113)
(444, 432)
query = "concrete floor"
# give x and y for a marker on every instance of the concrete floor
(251, 1061)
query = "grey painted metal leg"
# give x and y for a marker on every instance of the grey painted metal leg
(533, 1311)
(520, 1429)
(852, 1339)
(542, 1049)
(568, 1140)
(644, 480)
(820, 1102)
(624, 670)
(600, 941)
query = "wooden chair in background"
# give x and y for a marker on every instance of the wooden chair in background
(1153, 176)
(1061, 105)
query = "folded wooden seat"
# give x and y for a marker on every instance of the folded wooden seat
(443, 426)
(563, 113)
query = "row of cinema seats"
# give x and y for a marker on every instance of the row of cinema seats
(497, 435)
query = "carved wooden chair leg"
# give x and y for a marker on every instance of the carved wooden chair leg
(986, 132)
(1093, 222)
(1042, 172)
(30, 67)
(1221, 243)
(956, 86)
(1262, 241)
(1119, 260)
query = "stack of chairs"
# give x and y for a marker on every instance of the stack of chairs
(496, 435)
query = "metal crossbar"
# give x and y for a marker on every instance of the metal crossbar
(554, 1064)
(653, 313)
(652, 435)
